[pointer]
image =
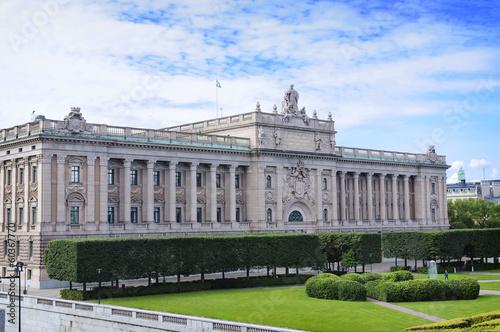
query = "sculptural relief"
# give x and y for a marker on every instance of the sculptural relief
(75, 122)
(297, 184)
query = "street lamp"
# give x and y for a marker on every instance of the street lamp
(99, 273)
(19, 269)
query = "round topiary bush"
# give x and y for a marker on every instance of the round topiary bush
(321, 285)
(354, 277)
(373, 276)
(349, 290)
(398, 276)
(331, 287)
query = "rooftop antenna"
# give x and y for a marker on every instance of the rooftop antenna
(33, 116)
(484, 178)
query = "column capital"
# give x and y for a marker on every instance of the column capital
(45, 158)
(151, 163)
(61, 159)
(369, 174)
(172, 164)
(103, 161)
(91, 160)
(232, 168)
(127, 162)
(356, 175)
(193, 166)
(213, 168)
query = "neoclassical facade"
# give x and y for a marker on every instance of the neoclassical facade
(252, 172)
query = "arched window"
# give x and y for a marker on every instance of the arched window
(325, 215)
(324, 184)
(268, 182)
(269, 216)
(295, 216)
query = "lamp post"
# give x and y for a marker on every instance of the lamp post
(19, 269)
(99, 273)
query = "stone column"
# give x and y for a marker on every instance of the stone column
(191, 194)
(279, 196)
(61, 185)
(383, 216)
(419, 198)
(171, 190)
(126, 190)
(445, 201)
(149, 191)
(44, 183)
(103, 191)
(319, 198)
(369, 194)
(232, 194)
(395, 210)
(442, 200)
(91, 189)
(13, 210)
(342, 196)
(356, 199)
(407, 198)
(212, 194)
(334, 198)
(2, 188)
(428, 200)
(26, 181)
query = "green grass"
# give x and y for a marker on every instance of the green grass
(286, 307)
(453, 276)
(490, 285)
(455, 309)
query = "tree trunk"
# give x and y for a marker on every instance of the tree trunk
(268, 271)
(248, 273)
(297, 271)
(396, 260)
(84, 286)
(70, 285)
(286, 272)
(178, 278)
(116, 282)
(202, 277)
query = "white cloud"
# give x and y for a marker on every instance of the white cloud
(476, 163)
(453, 178)
(455, 166)
(494, 172)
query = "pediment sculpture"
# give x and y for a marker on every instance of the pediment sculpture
(75, 122)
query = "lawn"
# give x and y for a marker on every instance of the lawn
(453, 276)
(490, 285)
(455, 309)
(286, 307)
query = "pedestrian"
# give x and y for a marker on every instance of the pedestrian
(445, 274)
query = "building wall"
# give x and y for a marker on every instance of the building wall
(207, 183)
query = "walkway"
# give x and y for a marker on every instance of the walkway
(405, 310)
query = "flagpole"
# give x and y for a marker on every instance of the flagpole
(216, 100)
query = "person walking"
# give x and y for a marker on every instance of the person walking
(445, 274)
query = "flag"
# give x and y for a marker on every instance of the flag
(217, 84)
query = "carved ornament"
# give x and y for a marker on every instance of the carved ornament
(297, 184)
(75, 122)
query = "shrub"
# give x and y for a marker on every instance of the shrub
(482, 322)
(398, 276)
(349, 290)
(441, 269)
(400, 268)
(373, 276)
(469, 288)
(354, 277)
(481, 266)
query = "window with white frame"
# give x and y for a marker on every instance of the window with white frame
(156, 215)
(133, 215)
(133, 177)
(74, 214)
(111, 215)
(156, 178)
(111, 176)
(75, 174)
(269, 215)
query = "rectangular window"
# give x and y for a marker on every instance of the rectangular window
(237, 214)
(156, 178)
(178, 214)
(111, 215)
(433, 214)
(29, 275)
(34, 174)
(21, 216)
(111, 176)
(75, 173)
(219, 214)
(18, 248)
(198, 180)
(8, 216)
(74, 213)
(133, 177)
(21, 176)
(5, 247)
(237, 181)
(4, 271)
(33, 215)
(198, 214)
(178, 182)
(9, 177)
(31, 249)
(156, 215)
(217, 180)
(433, 188)
(133, 215)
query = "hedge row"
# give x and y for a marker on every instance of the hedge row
(489, 321)
(440, 269)
(423, 290)
(171, 288)
(482, 266)
(400, 268)
(77, 260)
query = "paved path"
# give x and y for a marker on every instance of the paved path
(405, 310)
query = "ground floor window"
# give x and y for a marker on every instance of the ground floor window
(178, 214)
(133, 215)
(156, 214)
(74, 213)
(111, 215)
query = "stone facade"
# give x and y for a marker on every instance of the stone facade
(252, 172)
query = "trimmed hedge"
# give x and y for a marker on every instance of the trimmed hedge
(171, 288)
(423, 290)
(489, 321)
(77, 260)
(354, 277)
(398, 276)
(330, 287)
(481, 266)
(440, 269)
(400, 268)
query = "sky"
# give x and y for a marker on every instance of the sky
(396, 76)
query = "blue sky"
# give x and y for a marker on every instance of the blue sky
(396, 76)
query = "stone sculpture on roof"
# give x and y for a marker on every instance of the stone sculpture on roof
(291, 107)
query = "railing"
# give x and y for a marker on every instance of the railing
(135, 317)
(385, 155)
(182, 136)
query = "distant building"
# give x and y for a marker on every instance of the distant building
(484, 189)
(251, 172)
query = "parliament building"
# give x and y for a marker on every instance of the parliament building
(276, 171)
